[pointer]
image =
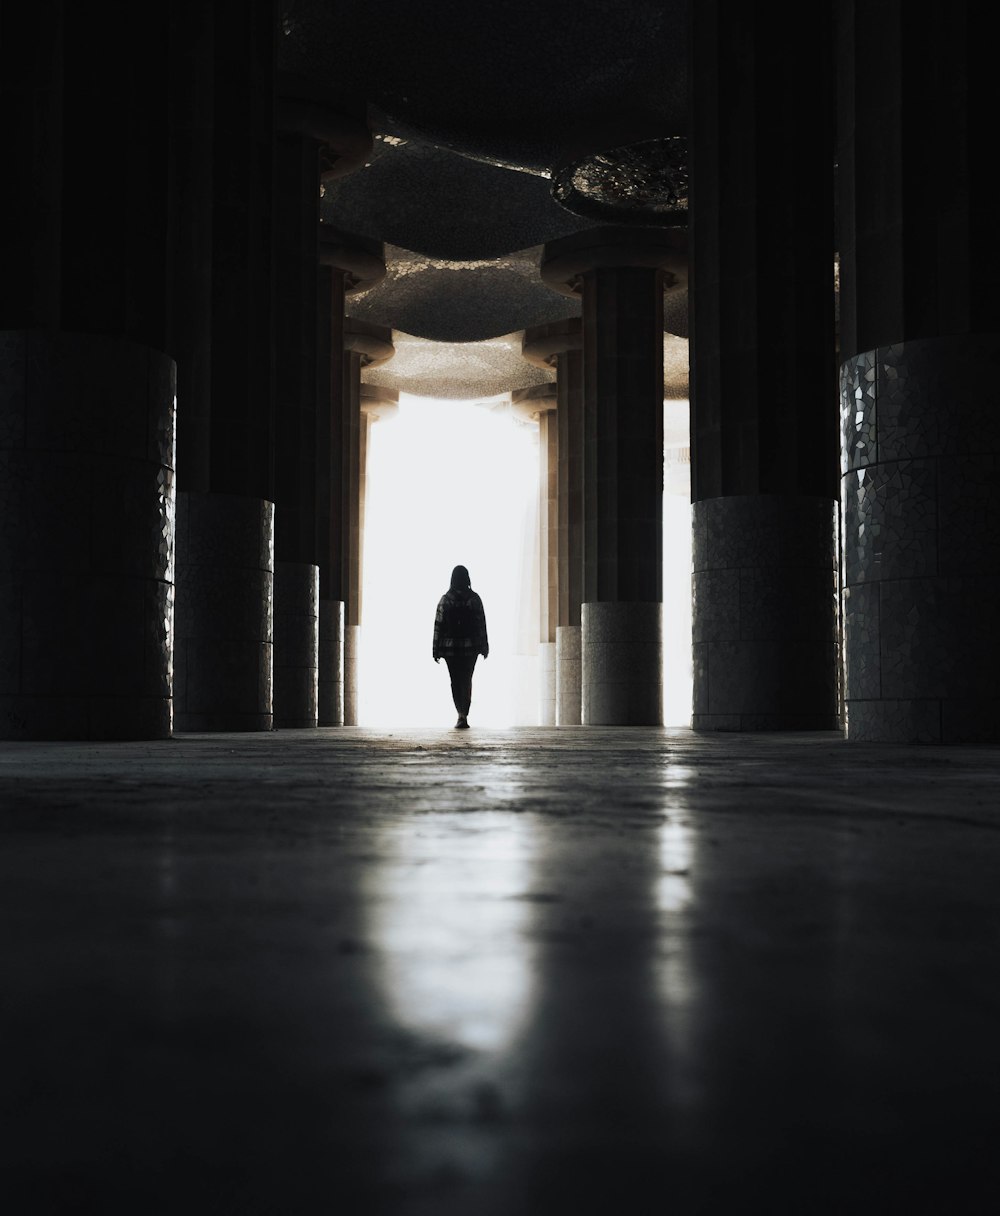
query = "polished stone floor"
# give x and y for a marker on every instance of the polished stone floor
(500, 973)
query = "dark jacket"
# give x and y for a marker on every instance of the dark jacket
(460, 625)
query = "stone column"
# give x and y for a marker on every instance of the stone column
(559, 346)
(920, 349)
(621, 274)
(86, 389)
(366, 345)
(222, 335)
(347, 264)
(763, 438)
(310, 139)
(538, 405)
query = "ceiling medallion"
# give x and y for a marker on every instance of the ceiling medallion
(640, 183)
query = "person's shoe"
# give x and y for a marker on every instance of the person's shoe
(462, 723)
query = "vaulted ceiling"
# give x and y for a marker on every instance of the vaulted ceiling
(478, 112)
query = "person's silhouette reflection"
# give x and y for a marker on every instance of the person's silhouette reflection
(460, 638)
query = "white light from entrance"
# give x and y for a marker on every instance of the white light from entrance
(452, 483)
(449, 483)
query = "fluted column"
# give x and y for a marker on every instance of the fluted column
(763, 434)
(347, 264)
(559, 346)
(621, 275)
(920, 350)
(87, 388)
(221, 334)
(313, 139)
(538, 405)
(366, 345)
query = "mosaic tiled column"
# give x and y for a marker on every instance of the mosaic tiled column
(347, 264)
(366, 345)
(538, 405)
(558, 347)
(86, 537)
(621, 275)
(223, 657)
(920, 357)
(765, 613)
(921, 523)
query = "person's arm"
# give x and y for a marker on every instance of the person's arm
(482, 639)
(438, 621)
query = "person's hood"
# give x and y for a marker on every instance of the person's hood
(460, 581)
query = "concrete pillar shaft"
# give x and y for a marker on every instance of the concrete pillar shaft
(86, 537)
(623, 434)
(331, 663)
(548, 525)
(569, 674)
(547, 683)
(296, 645)
(569, 384)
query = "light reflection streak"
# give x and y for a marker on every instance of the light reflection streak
(449, 920)
(677, 902)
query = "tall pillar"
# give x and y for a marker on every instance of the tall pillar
(86, 388)
(621, 275)
(538, 405)
(312, 139)
(221, 335)
(920, 349)
(366, 345)
(347, 264)
(763, 433)
(559, 346)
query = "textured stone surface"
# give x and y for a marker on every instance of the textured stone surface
(331, 663)
(458, 371)
(921, 526)
(622, 664)
(569, 675)
(764, 614)
(352, 643)
(224, 624)
(499, 973)
(296, 645)
(86, 537)
(547, 683)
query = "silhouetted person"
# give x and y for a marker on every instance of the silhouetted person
(460, 638)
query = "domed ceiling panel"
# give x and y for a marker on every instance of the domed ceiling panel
(444, 205)
(461, 371)
(447, 301)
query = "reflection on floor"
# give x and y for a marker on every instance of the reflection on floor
(500, 973)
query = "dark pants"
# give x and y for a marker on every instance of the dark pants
(460, 668)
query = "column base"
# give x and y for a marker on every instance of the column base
(331, 663)
(622, 661)
(569, 675)
(352, 641)
(296, 645)
(223, 651)
(547, 682)
(765, 614)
